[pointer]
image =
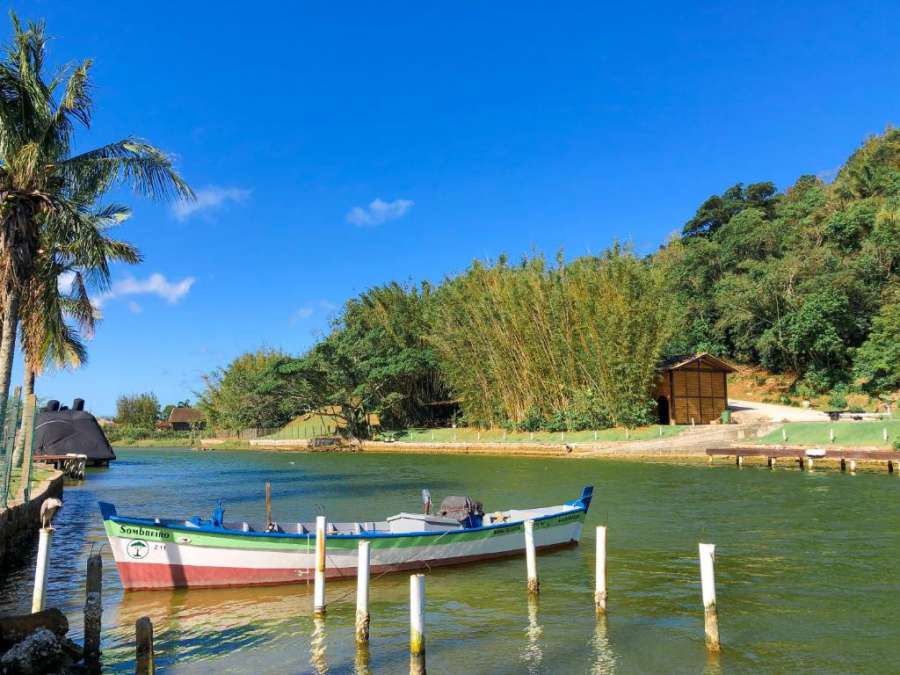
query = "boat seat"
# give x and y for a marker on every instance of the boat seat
(301, 529)
(245, 527)
(332, 528)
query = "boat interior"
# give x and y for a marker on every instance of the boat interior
(400, 523)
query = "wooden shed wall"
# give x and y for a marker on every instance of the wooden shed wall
(695, 391)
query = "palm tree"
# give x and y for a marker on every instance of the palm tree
(46, 193)
(47, 311)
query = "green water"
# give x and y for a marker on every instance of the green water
(806, 567)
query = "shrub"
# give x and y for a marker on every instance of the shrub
(837, 400)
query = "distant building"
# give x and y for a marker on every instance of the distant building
(185, 419)
(691, 387)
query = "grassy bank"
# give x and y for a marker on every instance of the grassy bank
(38, 473)
(152, 442)
(846, 434)
(467, 435)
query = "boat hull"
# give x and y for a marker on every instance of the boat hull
(157, 557)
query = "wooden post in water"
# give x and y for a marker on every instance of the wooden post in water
(362, 593)
(417, 623)
(783, 434)
(809, 463)
(143, 633)
(268, 504)
(600, 572)
(45, 538)
(831, 435)
(319, 589)
(843, 464)
(852, 466)
(708, 585)
(739, 460)
(534, 586)
(93, 611)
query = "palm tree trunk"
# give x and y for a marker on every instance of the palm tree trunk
(28, 389)
(8, 346)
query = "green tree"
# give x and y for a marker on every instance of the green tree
(47, 193)
(137, 410)
(246, 394)
(877, 361)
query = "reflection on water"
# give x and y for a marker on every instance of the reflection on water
(787, 541)
(361, 661)
(318, 647)
(604, 657)
(532, 655)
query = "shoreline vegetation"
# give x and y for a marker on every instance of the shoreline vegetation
(800, 283)
(640, 444)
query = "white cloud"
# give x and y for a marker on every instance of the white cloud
(155, 284)
(379, 211)
(207, 199)
(302, 314)
(65, 281)
(134, 308)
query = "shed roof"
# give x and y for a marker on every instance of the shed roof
(680, 360)
(185, 414)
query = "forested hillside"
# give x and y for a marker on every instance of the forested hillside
(803, 282)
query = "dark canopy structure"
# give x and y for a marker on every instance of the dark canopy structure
(58, 431)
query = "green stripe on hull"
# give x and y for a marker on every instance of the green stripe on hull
(294, 542)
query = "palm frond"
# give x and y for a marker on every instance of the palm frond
(147, 169)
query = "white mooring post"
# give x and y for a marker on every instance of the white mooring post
(884, 434)
(417, 622)
(600, 571)
(40, 571)
(831, 435)
(319, 590)
(534, 585)
(362, 593)
(708, 585)
(852, 466)
(783, 434)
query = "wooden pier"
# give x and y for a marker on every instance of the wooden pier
(844, 456)
(71, 465)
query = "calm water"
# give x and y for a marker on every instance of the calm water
(807, 568)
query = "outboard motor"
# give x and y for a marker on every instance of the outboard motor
(467, 511)
(78, 404)
(52, 406)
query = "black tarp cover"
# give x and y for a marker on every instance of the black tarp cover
(63, 431)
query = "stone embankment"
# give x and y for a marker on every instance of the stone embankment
(20, 521)
(692, 442)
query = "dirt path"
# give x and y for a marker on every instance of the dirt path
(751, 411)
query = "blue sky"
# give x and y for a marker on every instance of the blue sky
(335, 146)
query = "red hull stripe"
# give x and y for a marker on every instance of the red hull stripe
(143, 576)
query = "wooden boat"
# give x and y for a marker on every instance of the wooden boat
(197, 553)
